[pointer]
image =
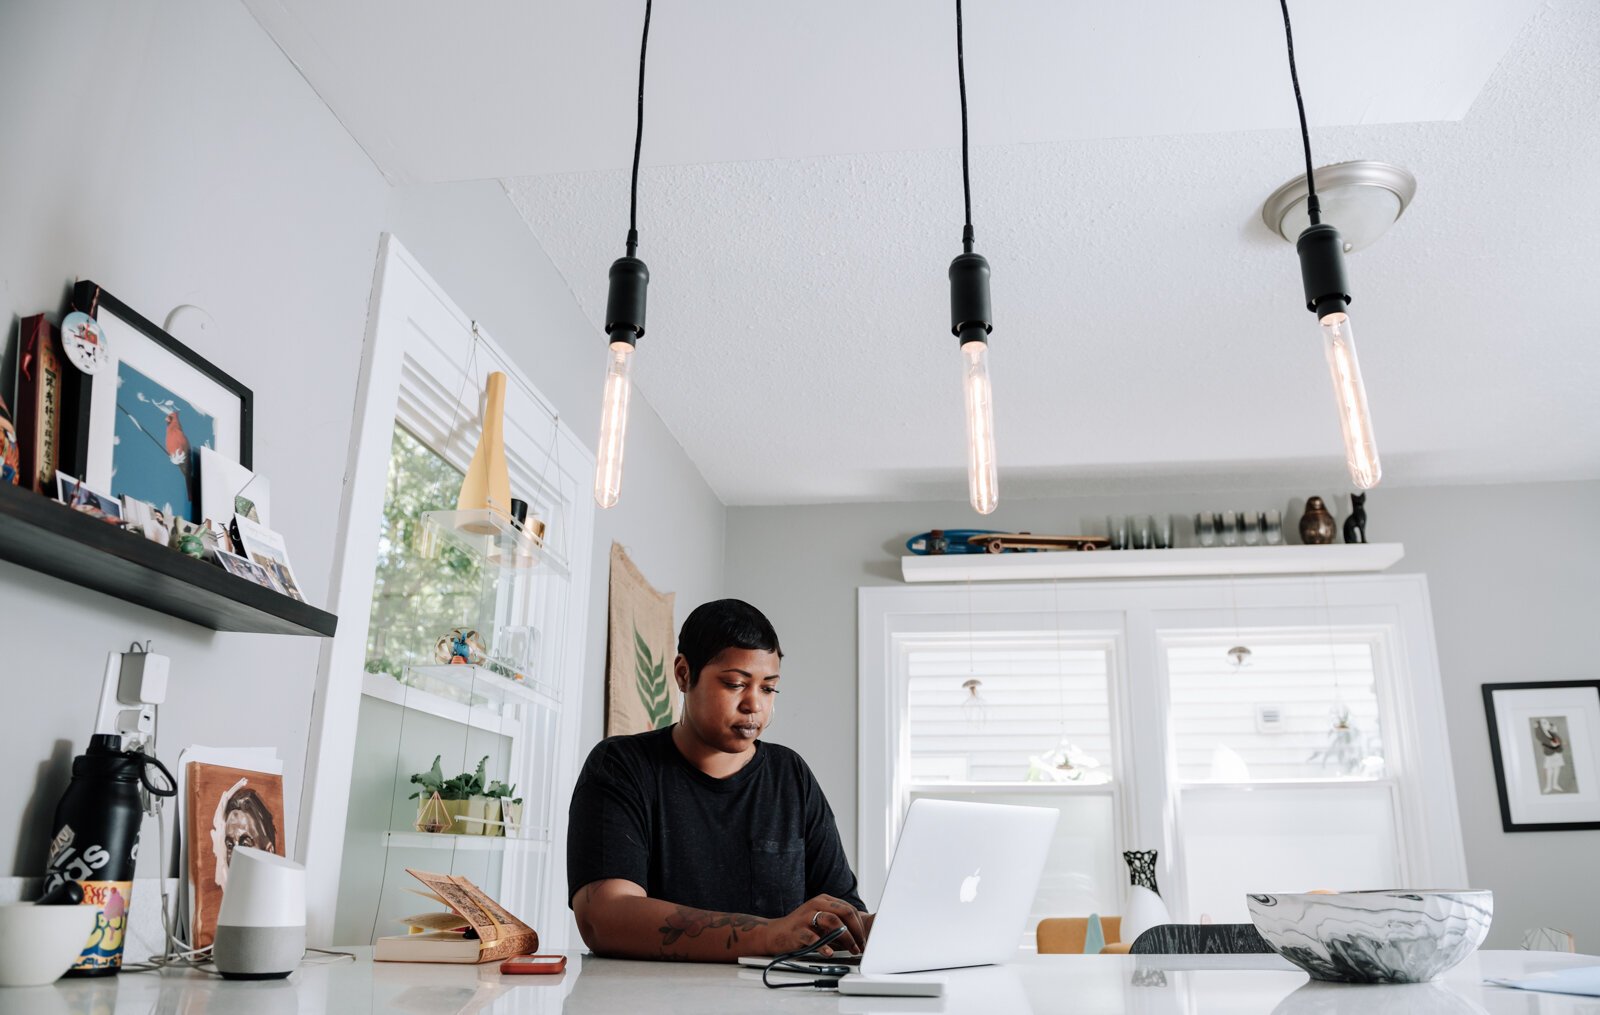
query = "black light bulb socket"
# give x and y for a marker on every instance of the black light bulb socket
(625, 300)
(969, 298)
(1321, 251)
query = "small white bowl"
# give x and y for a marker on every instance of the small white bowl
(39, 943)
(1396, 936)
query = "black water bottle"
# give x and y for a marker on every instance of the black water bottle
(96, 843)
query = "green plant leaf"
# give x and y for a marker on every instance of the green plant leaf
(651, 682)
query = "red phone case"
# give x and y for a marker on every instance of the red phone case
(534, 964)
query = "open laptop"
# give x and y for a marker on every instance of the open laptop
(960, 886)
(959, 889)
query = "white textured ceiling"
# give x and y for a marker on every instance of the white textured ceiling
(1149, 330)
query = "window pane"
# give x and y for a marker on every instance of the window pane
(1284, 839)
(1009, 709)
(417, 597)
(1080, 871)
(1300, 709)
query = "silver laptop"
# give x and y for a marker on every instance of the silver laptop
(960, 886)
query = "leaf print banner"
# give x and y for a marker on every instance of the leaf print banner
(641, 645)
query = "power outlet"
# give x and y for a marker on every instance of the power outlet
(133, 685)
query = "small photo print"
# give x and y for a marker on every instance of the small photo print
(146, 519)
(79, 497)
(247, 569)
(1552, 752)
(267, 549)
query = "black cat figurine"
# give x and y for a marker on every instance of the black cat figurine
(1355, 527)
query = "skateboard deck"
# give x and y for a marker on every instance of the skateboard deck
(1011, 542)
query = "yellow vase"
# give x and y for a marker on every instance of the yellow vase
(486, 486)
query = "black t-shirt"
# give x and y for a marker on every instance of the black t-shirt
(761, 841)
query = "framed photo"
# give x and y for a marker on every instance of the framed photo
(79, 497)
(143, 417)
(266, 548)
(1545, 739)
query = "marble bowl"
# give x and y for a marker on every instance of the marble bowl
(1392, 936)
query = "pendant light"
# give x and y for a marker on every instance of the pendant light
(969, 321)
(1328, 296)
(624, 324)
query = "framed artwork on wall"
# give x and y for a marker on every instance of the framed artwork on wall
(1545, 739)
(146, 413)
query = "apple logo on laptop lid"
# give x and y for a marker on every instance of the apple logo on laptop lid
(969, 885)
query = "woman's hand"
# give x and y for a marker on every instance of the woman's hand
(812, 920)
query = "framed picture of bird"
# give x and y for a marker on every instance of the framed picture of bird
(144, 416)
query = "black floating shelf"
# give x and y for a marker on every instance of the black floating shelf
(51, 538)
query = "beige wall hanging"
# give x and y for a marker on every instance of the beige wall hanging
(640, 648)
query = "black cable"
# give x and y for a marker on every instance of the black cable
(638, 139)
(786, 963)
(966, 181)
(1313, 206)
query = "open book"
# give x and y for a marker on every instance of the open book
(494, 933)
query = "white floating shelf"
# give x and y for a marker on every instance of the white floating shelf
(386, 688)
(1190, 562)
(479, 686)
(476, 843)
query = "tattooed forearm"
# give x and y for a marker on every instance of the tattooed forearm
(687, 922)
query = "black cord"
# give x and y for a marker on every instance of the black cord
(786, 963)
(1313, 206)
(966, 180)
(638, 139)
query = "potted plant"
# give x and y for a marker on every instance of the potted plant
(434, 814)
(506, 811)
(471, 788)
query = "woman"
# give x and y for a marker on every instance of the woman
(1544, 730)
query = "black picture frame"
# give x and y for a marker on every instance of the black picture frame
(1507, 821)
(89, 295)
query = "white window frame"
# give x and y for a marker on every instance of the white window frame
(415, 336)
(1145, 615)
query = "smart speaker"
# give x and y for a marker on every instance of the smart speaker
(261, 926)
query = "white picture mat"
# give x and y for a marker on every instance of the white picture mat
(1514, 711)
(158, 363)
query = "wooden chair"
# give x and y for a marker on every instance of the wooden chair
(1064, 935)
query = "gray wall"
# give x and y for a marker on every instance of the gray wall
(195, 165)
(1514, 577)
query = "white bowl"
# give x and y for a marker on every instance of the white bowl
(1394, 936)
(39, 943)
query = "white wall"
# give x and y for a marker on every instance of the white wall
(194, 165)
(1514, 577)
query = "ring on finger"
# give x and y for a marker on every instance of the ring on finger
(814, 917)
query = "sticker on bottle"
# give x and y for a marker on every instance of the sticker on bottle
(85, 342)
(103, 950)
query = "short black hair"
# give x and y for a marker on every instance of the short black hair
(722, 624)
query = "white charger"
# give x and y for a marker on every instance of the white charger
(143, 678)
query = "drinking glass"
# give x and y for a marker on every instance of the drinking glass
(1272, 528)
(1141, 532)
(1205, 529)
(1230, 529)
(1251, 525)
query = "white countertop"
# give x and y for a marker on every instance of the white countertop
(1035, 985)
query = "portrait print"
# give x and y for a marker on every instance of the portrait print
(227, 808)
(1553, 754)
